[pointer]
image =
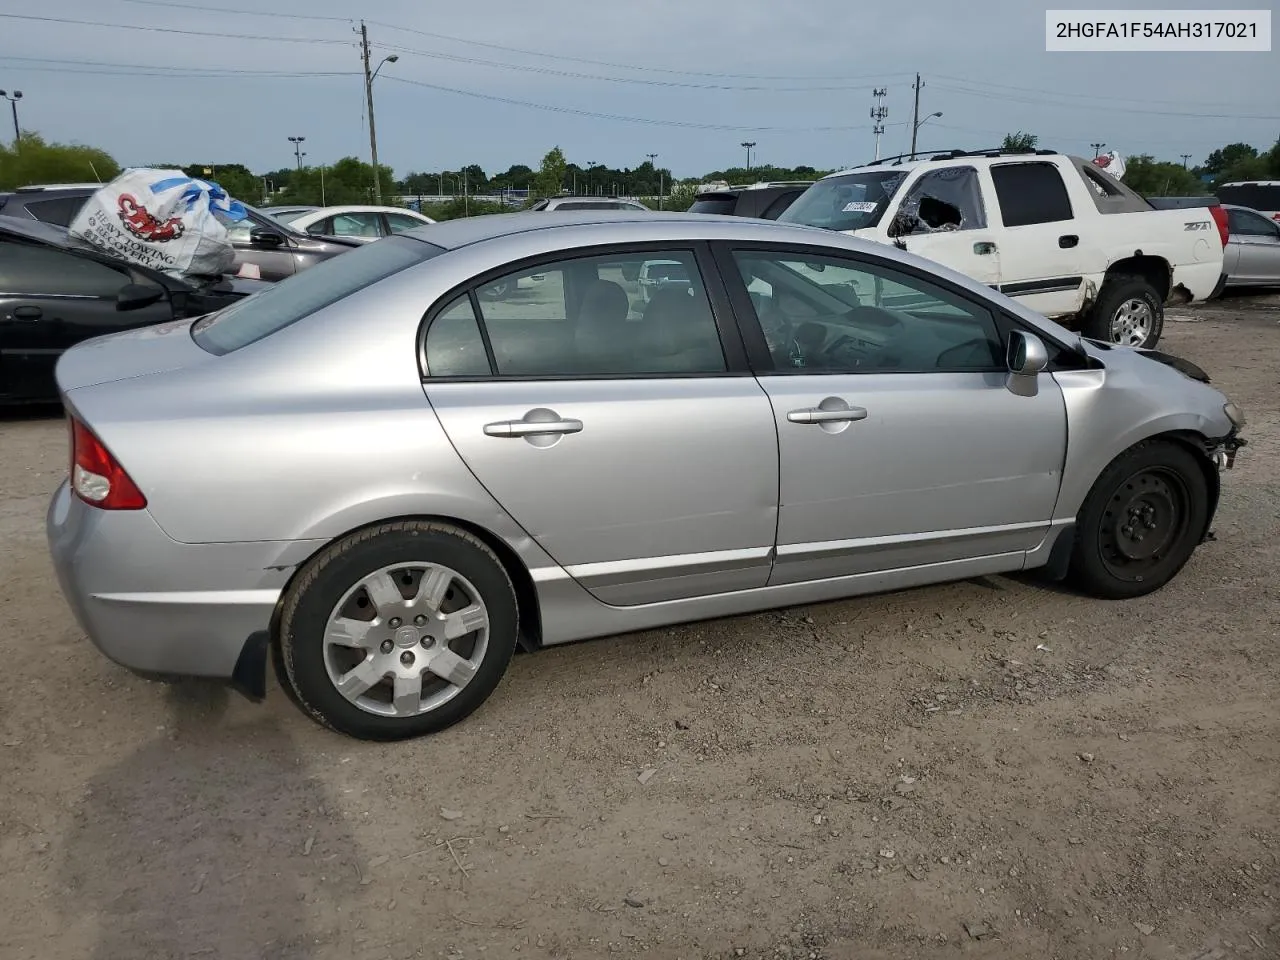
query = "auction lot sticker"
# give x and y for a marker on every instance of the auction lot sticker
(1157, 31)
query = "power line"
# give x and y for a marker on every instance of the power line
(552, 71)
(202, 8)
(152, 29)
(156, 69)
(685, 124)
(1040, 101)
(1100, 98)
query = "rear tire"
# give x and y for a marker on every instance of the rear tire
(1140, 523)
(1128, 312)
(397, 631)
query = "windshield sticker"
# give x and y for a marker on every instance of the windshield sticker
(860, 206)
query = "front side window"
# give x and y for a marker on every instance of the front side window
(400, 222)
(1030, 193)
(288, 301)
(582, 317)
(821, 314)
(1245, 224)
(942, 200)
(852, 201)
(30, 270)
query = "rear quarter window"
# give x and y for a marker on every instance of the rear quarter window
(288, 301)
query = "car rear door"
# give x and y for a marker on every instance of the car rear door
(628, 439)
(900, 442)
(1044, 257)
(51, 300)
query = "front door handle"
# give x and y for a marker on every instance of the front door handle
(26, 312)
(819, 415)
(1067, 241)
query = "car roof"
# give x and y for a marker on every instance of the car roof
(359, 208)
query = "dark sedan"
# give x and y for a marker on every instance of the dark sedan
(56, 291)
(275, 248)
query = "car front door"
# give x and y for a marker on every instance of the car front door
(271, 250)
(50, 300)
(627, 438)
(901, 443)
(1257, 240)
(942, 217)
(1044, 257)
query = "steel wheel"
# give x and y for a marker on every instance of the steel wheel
(1132, 322)
(1145, 517)
(406, 639)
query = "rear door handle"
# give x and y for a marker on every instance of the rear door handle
(984, 248)
(26, 312)
(1067, 241)
(528, 428)
(818, 415)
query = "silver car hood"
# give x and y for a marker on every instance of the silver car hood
(129, 354)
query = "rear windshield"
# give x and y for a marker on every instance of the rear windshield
(1259, 196)
(851, 202)
(721, 206)
(288, 301)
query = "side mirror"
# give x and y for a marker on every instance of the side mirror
(134, 296)
(266, 238)
(1027, 355)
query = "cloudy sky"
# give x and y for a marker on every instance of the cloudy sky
(686, 79)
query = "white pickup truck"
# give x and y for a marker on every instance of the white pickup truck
(1055, 231)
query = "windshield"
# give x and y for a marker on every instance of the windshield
(850, 202)
(287, 301)
(287, 216)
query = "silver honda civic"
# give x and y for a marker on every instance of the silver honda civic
(383, 483)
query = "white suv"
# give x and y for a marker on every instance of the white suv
(588, 203)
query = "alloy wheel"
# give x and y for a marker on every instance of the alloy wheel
(1132, 322)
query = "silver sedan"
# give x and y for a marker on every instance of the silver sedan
(1252, 254)
(385, 482)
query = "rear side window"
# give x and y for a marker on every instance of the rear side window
(721, 206)
(288, 301)
(1259, 196)
(29, 270)
(774, 210)
(60, 211)
(1030, 193)
(455, 346)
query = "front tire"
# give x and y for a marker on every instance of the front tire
(1128, 311)
(1141, 521)
(397, 631)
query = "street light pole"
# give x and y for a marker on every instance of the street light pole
(13, 105)
(916, 128)
(652, 157)
(297, 150)
(368, 91)
(748, 144)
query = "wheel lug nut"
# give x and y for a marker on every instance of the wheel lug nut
(385, 646)
(406, 658)
(428, 642)
(420, 619)
(395, 622)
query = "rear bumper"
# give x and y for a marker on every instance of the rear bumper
(152, 604)
(1199, 280)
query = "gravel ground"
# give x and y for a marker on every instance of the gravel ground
(993, 768)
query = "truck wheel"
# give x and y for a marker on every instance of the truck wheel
(1128, 312)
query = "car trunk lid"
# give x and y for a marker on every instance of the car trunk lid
(128, 355)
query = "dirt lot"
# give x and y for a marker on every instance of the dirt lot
(989, 769)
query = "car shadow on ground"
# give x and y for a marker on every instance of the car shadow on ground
(201, 842)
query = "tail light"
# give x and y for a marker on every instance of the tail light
(97, 477)
(1220, 218)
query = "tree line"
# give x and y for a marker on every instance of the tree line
(350, 180)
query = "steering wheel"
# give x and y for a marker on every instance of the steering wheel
(974, 353)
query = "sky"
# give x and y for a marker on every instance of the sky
(473, 82)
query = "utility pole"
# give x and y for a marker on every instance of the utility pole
(748, 144)
(368, 93)
(1185, 158)
(652, 157)
(1097, 149)
(13, 105)
(878, 113)
(915, 116)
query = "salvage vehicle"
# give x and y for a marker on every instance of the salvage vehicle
(1253, 249)
(1055, 232)
(56, 291)
(384, 483)
(275, 249)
